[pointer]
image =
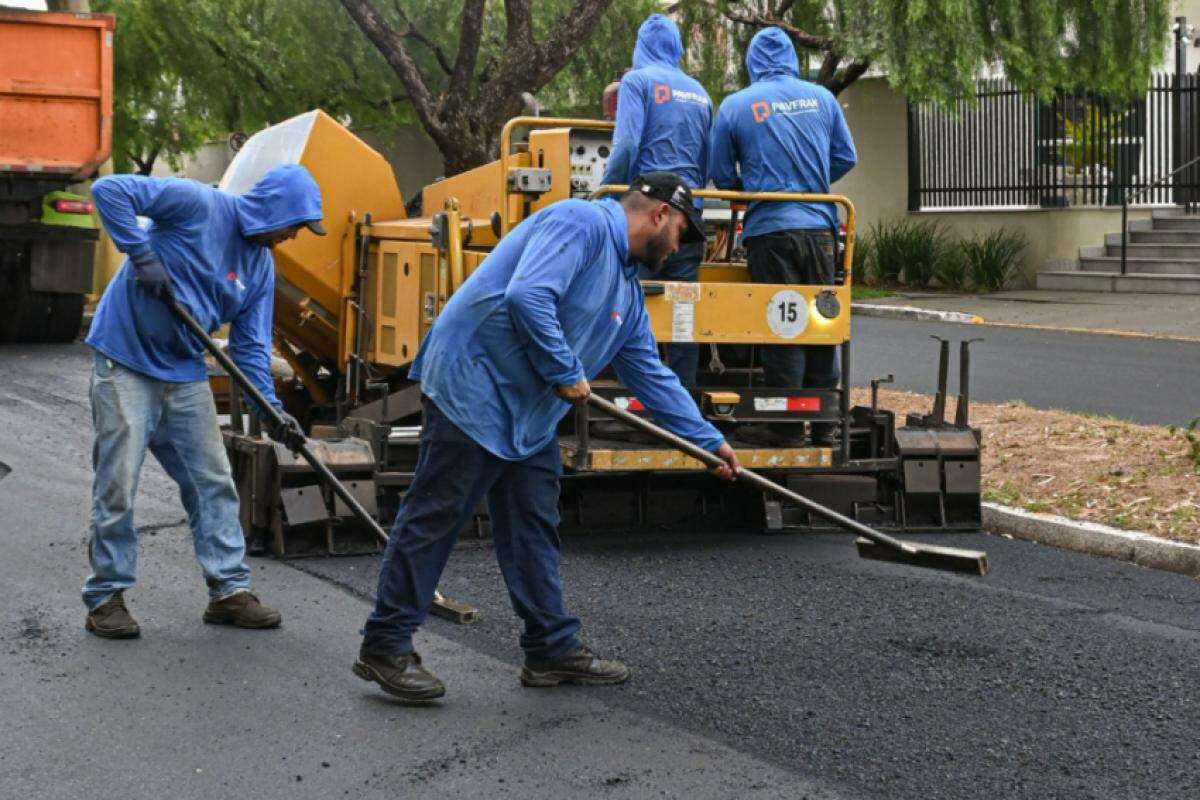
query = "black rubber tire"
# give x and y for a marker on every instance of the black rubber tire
(66, 317)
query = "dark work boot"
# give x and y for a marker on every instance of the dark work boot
(581, 666)
(399, 675)
(112, 620)
(243, 610)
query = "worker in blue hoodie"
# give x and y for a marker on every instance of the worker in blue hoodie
(211, 251)
(784, 134)
(663, 122)
(556, 301)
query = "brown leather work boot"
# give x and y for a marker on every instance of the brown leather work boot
(112, 620)
(243, 610)
(399, 675)
(581, 666)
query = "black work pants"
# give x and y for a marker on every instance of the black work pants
(803, 256)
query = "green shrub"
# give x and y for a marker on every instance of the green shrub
(952, 272)
(993, 259)
(861, 267)
(908, 248)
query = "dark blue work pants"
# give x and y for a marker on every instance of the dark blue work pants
(453, 474)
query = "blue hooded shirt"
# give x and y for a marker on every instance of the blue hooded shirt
(663, 115)
(217, 272)
(787, 135)
(556, 301)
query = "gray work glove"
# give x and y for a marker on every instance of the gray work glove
(288, 432)
(151, 275)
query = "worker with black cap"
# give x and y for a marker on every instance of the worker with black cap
(210, 251)
(556, 302)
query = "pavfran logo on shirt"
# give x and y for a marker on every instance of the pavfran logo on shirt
(801, 105)
(664, 93)
(616, 317)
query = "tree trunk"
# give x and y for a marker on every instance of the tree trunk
(465, 120)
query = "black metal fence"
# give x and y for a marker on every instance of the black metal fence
(1008, 150)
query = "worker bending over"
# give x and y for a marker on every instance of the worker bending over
(211, 251)
(663, 122)
(551, 306)
(785, 135)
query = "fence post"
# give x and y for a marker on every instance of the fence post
(914, 161)
(1181, 39)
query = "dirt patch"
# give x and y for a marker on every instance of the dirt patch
(1086, 467)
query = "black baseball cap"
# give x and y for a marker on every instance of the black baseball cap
(670, 188)
(315, 226)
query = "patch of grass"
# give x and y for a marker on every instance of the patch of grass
(1190, 436)
(992, 260)
(862, 264)
(860, 292)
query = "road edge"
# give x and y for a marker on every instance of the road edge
(1135, 547)
(912, 312)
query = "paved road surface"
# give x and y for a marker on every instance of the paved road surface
(1143, 380)
(764, 667)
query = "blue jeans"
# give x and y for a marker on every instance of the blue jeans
(177, 422)
(682, 265)
(453, 474)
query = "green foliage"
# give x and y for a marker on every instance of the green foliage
(909, 248)
(993, 259)
(952, 272)
(1190, 435)
(187, 72)
(934, 49)
(862, 263)
(1090, 138)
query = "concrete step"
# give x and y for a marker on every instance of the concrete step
(1160, 237)
(1173, 220)
(1163, 250)
(1139, 266)
(1084, 281)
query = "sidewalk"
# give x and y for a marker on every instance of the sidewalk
(1158, 315)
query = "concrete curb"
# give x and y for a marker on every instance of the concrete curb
(1088, 537)
(911, 312)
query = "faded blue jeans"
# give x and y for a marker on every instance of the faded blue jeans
(453, 474)
(177, 422)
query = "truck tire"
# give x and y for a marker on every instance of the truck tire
(66, 317)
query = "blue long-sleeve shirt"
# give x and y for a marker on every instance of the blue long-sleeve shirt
(555, 302)
(663, 115)
(786, 134)
(217, 272)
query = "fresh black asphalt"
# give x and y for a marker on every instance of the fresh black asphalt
(1056, 676)
(1145, 380)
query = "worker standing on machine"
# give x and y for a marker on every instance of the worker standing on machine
(548, 309)
(785, 134)
(663, 122)
(211, 251)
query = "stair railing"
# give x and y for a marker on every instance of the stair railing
(1133, 195)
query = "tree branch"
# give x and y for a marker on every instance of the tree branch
(468, 52)
(784, 8)
(412, 33)
(800, 37)
(530, 66)
(829, 65)
(847, 76)
(519, 20)
(391, 45)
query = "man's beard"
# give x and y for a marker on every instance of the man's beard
(658, 250)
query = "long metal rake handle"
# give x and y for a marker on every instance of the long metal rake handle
(449, 609)
(973, 562)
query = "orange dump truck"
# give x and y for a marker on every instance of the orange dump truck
(56, 100)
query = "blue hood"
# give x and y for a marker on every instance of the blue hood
(771, 53)
(285, 196)
(658, 43)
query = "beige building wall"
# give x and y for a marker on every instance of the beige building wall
(878, 187)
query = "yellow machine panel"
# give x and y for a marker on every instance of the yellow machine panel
(745, 313)
(314, 274)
